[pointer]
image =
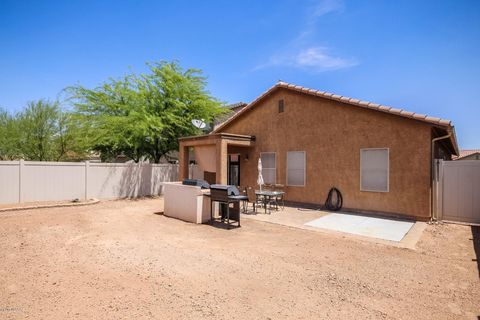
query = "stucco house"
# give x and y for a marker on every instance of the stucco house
(379, 157)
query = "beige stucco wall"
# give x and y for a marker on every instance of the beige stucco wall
(332, 134)
(186, 203)
(206, 157)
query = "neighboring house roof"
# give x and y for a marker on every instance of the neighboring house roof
(442, 123)
(236, 106)
(466, 153)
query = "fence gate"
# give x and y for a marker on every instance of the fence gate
(457, 190)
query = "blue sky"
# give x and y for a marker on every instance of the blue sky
(422, 56)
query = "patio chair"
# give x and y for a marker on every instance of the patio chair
(280, 198)
(243, 192)
(252, 198)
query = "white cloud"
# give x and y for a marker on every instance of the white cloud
(301, 52)
(327, 6)
(316, 59)
(320, 59)
(322, 8)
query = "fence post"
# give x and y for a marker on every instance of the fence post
(87, 166)
(440, 190)
(435, 189)
(20, 178)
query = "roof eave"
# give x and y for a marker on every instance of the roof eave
(453, 139)
(437, 122)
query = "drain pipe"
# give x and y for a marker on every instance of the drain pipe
(433, 213)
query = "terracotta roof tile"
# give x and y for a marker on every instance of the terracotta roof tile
(432, 119)
(407, 113)
(419, 116)
(384, 108)
(395, 110)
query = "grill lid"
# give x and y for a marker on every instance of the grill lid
(196, 182)
(229, 189)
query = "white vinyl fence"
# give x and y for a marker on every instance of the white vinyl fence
(457, 190)
(26, 181)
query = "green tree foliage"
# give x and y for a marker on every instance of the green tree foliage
(142, 116)
(9, 136)
(41, 132)
(69, 143)
(38, 124)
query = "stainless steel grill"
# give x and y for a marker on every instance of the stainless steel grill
(226, 195)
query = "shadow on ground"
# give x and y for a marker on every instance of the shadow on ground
(476, 246)
(223, 224)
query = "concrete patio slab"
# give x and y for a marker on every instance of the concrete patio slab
(380, 228)
(377, 231)
(287, 216)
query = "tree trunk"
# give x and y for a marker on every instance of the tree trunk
(156, 153)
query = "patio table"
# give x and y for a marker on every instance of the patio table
(266, 195)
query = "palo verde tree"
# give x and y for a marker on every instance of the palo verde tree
(142, 116)
(40, 132)
(38, 122)
(9, 136)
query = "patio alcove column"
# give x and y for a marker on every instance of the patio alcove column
(221, 161)
(182, 162)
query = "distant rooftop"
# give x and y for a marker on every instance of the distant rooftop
(237, 105)
(466, 153)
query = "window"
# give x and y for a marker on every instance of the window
(374, 169)
(281, 106)
(296, 168)
(269, 167)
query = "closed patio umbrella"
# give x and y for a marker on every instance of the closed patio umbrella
(260, 177)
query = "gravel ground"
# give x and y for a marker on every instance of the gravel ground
(124, 260)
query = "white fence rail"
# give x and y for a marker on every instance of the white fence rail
(26, 181)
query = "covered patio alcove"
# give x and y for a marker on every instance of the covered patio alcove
(213, 154)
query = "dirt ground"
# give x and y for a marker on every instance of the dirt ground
(124, 260)
(7, 207)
